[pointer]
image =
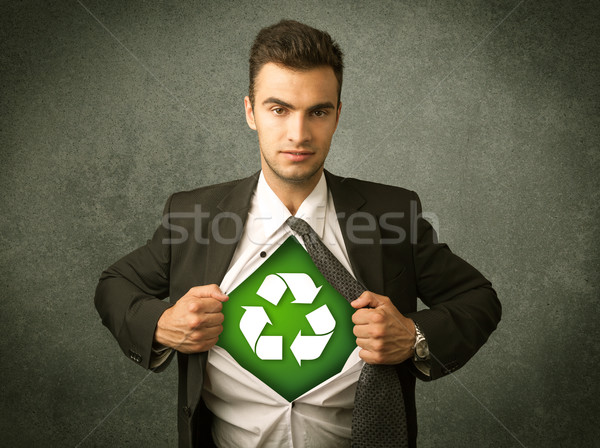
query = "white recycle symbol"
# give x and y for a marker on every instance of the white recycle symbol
(255, 319)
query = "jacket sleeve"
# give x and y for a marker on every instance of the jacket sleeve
(130, 292)
(463, 307)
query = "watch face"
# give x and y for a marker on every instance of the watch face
(422, 349)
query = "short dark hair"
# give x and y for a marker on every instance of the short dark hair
(297, 46)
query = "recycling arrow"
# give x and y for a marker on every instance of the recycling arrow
(272, 288)
(303, 288)
(321, 320)
(306, 348)
(301, 285)
(252, 324)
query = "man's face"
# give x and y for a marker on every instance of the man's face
(295, 114)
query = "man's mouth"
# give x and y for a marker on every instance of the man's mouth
(297, 156)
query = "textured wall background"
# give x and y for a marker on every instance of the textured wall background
(489, 109)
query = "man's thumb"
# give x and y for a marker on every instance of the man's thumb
(366, 299)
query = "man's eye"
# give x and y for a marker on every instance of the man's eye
(278, 111)
(319, 113)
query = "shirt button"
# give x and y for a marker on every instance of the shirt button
(263, 254)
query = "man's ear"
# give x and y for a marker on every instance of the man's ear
(249, 113)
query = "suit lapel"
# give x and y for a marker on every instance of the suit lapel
(223, 235)
(225, 228)
(365, 256)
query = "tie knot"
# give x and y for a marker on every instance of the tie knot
(299, 225)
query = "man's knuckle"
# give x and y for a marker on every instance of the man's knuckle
(195, 322)
(377, 332)
(377, 317)
(194, 290)
(190, 340)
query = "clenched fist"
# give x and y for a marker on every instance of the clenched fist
(382, 332)
(193, 324)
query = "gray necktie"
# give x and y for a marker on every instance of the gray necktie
(379, 416)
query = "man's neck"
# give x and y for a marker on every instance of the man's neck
(292, 194)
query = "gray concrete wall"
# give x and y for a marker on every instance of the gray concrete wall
(488, 109)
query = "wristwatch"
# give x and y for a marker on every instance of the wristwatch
(421, 347)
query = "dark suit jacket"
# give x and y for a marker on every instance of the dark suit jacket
(394, 253)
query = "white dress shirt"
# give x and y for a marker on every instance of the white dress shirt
(247, 412)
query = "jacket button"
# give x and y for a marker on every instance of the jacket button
(135, 356)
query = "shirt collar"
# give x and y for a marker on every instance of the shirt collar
(273, 213)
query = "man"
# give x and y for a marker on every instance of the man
(374, 231)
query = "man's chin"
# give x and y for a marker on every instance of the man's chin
(299, 178)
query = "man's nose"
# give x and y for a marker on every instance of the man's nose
(298, 129)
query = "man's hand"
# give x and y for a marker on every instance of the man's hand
(193, 324)
(383, 333)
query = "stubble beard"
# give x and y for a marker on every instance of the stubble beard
(295, 180)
